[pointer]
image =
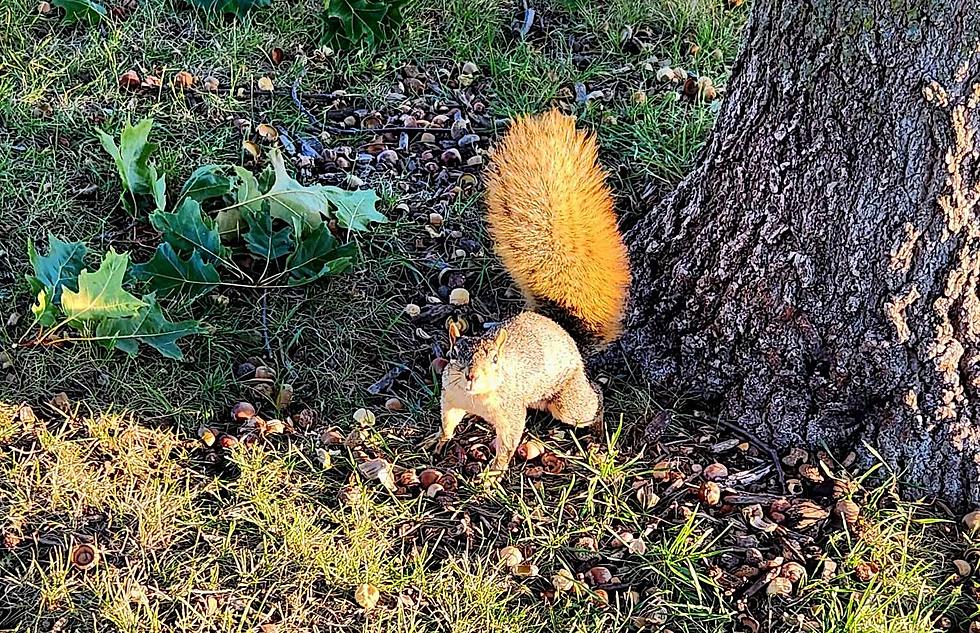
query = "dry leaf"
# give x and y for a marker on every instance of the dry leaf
(378, 469)
(130, 80)
(779, 586)
(265, 84)
(754, 516)
(324, 457)
(364, 417)
(511, 556)
(251, 148)
(367, 595)
(184, 79)
(563, 580)
(267, 132)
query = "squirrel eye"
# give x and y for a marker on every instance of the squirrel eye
(495, 358)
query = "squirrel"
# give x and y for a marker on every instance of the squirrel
(551, 219)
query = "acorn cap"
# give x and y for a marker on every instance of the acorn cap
(84, 556)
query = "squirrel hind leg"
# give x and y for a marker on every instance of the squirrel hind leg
(578, 403)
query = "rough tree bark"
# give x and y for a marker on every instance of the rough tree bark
(816, 275)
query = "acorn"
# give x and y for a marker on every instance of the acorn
(715, 472)
(793, 571)
(600, 575)
(710, 493)
(511, 556)
(459, 297)
(429, 476)
(530, 449)
(394, 405)
(435, 219)
(84, 556)
(242, 411)
(265, 373)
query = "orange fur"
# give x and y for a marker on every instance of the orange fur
(551, 217)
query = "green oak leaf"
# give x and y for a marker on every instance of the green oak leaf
(167, 274)
(299, 205)
(138, 175)
(237, 8)
(81, 10)
(58, 269)
(188, 230)
(44, 310)
(150, 327)
(208, 182)
(261, 239)
(100, 294)
(355, 209)
(228, 220)
(317, 255)
(365, 23)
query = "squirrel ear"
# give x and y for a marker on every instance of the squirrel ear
(500, 339)
(453, 332)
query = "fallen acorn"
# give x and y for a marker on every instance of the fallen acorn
(429, 476)
(552, 463)
(710, 493)
(793, 571)
(563, 580)
(265, 373)
(530, 449)
(459, 297)
(84, 556)
(600, 575)
(715, 472)
(779, 586)
(449, 483)
(438, 365)
(972, 521)
(433, 490)
(394, 405)
(479, 452)
(510, 556)
(228, 441)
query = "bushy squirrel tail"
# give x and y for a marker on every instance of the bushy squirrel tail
(551, 217)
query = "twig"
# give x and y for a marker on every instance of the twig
(773, 455)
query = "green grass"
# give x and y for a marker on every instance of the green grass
(194, 539)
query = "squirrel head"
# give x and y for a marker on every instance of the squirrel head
(475, 361)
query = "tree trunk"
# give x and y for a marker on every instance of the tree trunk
(816, 275)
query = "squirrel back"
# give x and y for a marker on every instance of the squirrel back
(551, 217)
